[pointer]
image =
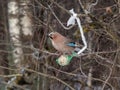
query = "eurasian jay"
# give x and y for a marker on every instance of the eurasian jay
(62, 44)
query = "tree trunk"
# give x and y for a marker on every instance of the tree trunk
(14, 30)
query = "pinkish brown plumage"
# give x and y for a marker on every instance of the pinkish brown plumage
(61, 43)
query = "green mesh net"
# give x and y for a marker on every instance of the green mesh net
(65, 59)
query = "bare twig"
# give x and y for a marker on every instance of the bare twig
(111, 70)
(67, 28)
(52, 77)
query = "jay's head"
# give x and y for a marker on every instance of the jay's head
(52, 35)
(55, 35)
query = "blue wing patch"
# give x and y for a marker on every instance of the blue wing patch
(72, 44)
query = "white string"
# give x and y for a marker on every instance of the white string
(82, 35)
(74, 16)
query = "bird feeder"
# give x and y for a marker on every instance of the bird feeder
(64, 60)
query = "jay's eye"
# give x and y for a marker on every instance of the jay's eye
(50, 37)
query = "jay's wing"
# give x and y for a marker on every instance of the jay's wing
(71, 44)
(74, 45)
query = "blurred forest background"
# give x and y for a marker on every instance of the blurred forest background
(28, 59)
